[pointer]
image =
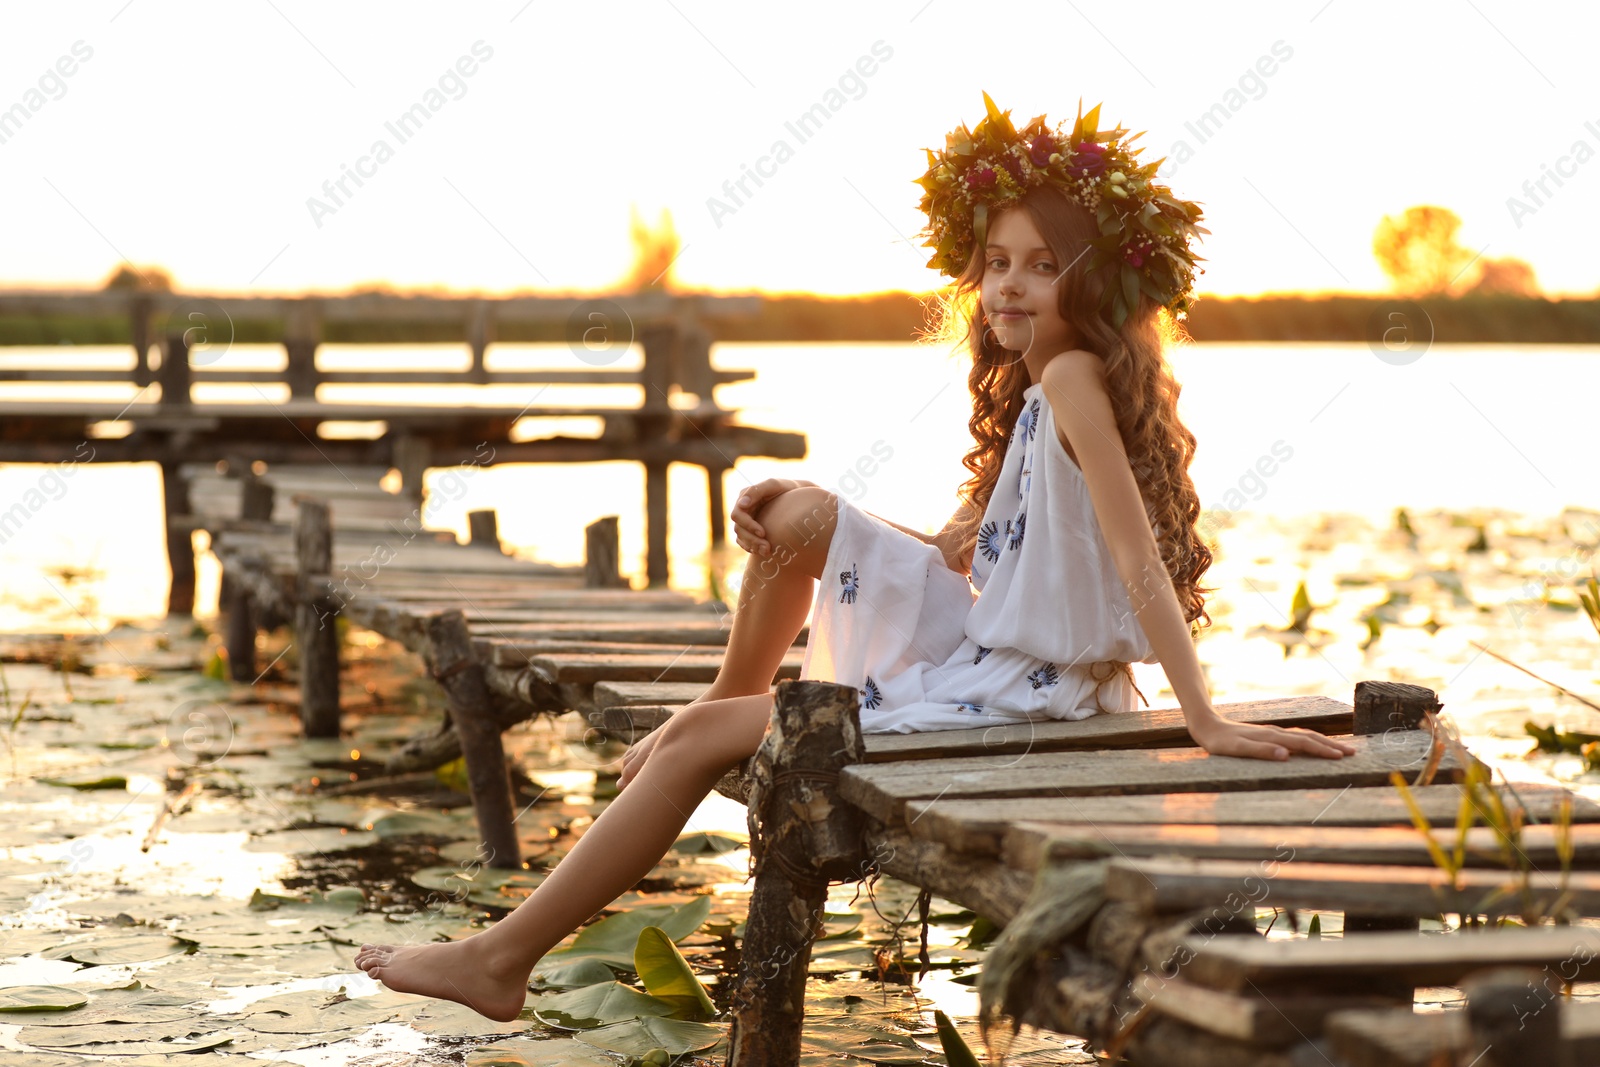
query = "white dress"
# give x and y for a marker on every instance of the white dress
(1029, 637)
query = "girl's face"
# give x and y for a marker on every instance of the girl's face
(1019, 294)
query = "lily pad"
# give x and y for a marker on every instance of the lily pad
(89, 781)
(118, 948)
(612, 939)
(313, 839)
(702, 843)
(582, 972)
(346, 899)
(667, 975)
(311, 1011)
(526, 1052)
(22, 998)
(637, 1037)
(431, 823)
(597, 1005)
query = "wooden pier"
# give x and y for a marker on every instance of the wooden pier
(648, 423)
(1124, 865)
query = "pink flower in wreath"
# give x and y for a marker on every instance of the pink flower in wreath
(980, 176)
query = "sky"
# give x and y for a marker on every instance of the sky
(199, 137)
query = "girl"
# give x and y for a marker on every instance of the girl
(1076, 530)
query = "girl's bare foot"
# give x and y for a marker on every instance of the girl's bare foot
(461, 971)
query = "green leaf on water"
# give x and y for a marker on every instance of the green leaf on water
(583, 972)
(84, 782)
(119, 948)
(406, 823)
(529, 1052)
(639, 1037)
(666, 974)
(597, 1005)
(956, 1051)
(40, 998)
(612, 939)
(701, 843)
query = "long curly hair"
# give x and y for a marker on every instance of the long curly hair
(1143, 391)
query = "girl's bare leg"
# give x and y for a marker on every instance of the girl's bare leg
(776, 594)
(489, 971)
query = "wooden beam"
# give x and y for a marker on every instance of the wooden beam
(884, 789)
(1236, 964)
(1169, 883)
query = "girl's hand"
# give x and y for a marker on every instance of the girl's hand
(633, 759)
(750, 534)
(1224, 737)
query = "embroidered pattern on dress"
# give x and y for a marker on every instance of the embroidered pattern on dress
(851, 582)
(971, 709)
(991, 540)
(982, 652)
(1046, 675)
(1030, 420)
(870, 697)
(1014, 533)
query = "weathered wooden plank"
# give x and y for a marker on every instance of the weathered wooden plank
(1404, 1038)
(1235, 964)
(1027, 844)
(978, 825)
(657, 665)
(610, 693)
(1281, 879)
(1159, 727)
(1252, 1018)
(883, 789)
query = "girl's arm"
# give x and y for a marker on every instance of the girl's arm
(1074, 386)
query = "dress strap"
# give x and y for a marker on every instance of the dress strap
(1113, 668)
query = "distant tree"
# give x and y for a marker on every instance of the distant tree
(127, 276)
(1508, 275)
(1419, 250)
(653, 253)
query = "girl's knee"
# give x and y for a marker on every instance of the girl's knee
(800, 524)
(712, 733)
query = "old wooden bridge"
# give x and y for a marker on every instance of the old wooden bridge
(162, 422)
(1126, 867)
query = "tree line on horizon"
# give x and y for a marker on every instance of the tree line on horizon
(1466, 297)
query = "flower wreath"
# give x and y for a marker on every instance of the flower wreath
(1145, 231)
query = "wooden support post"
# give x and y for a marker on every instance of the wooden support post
(256, 498)
(802, 835)
(139, 330)
(483, 529)
(1381, 707)
(450, 659)
(180, 539)
(480, 334)
(656, 568)
(255, 504)
(1514, 1018)
(302, 331)
(316, 614)
(600, 555)
(173, 374)
(719, 516)
(412, 456)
